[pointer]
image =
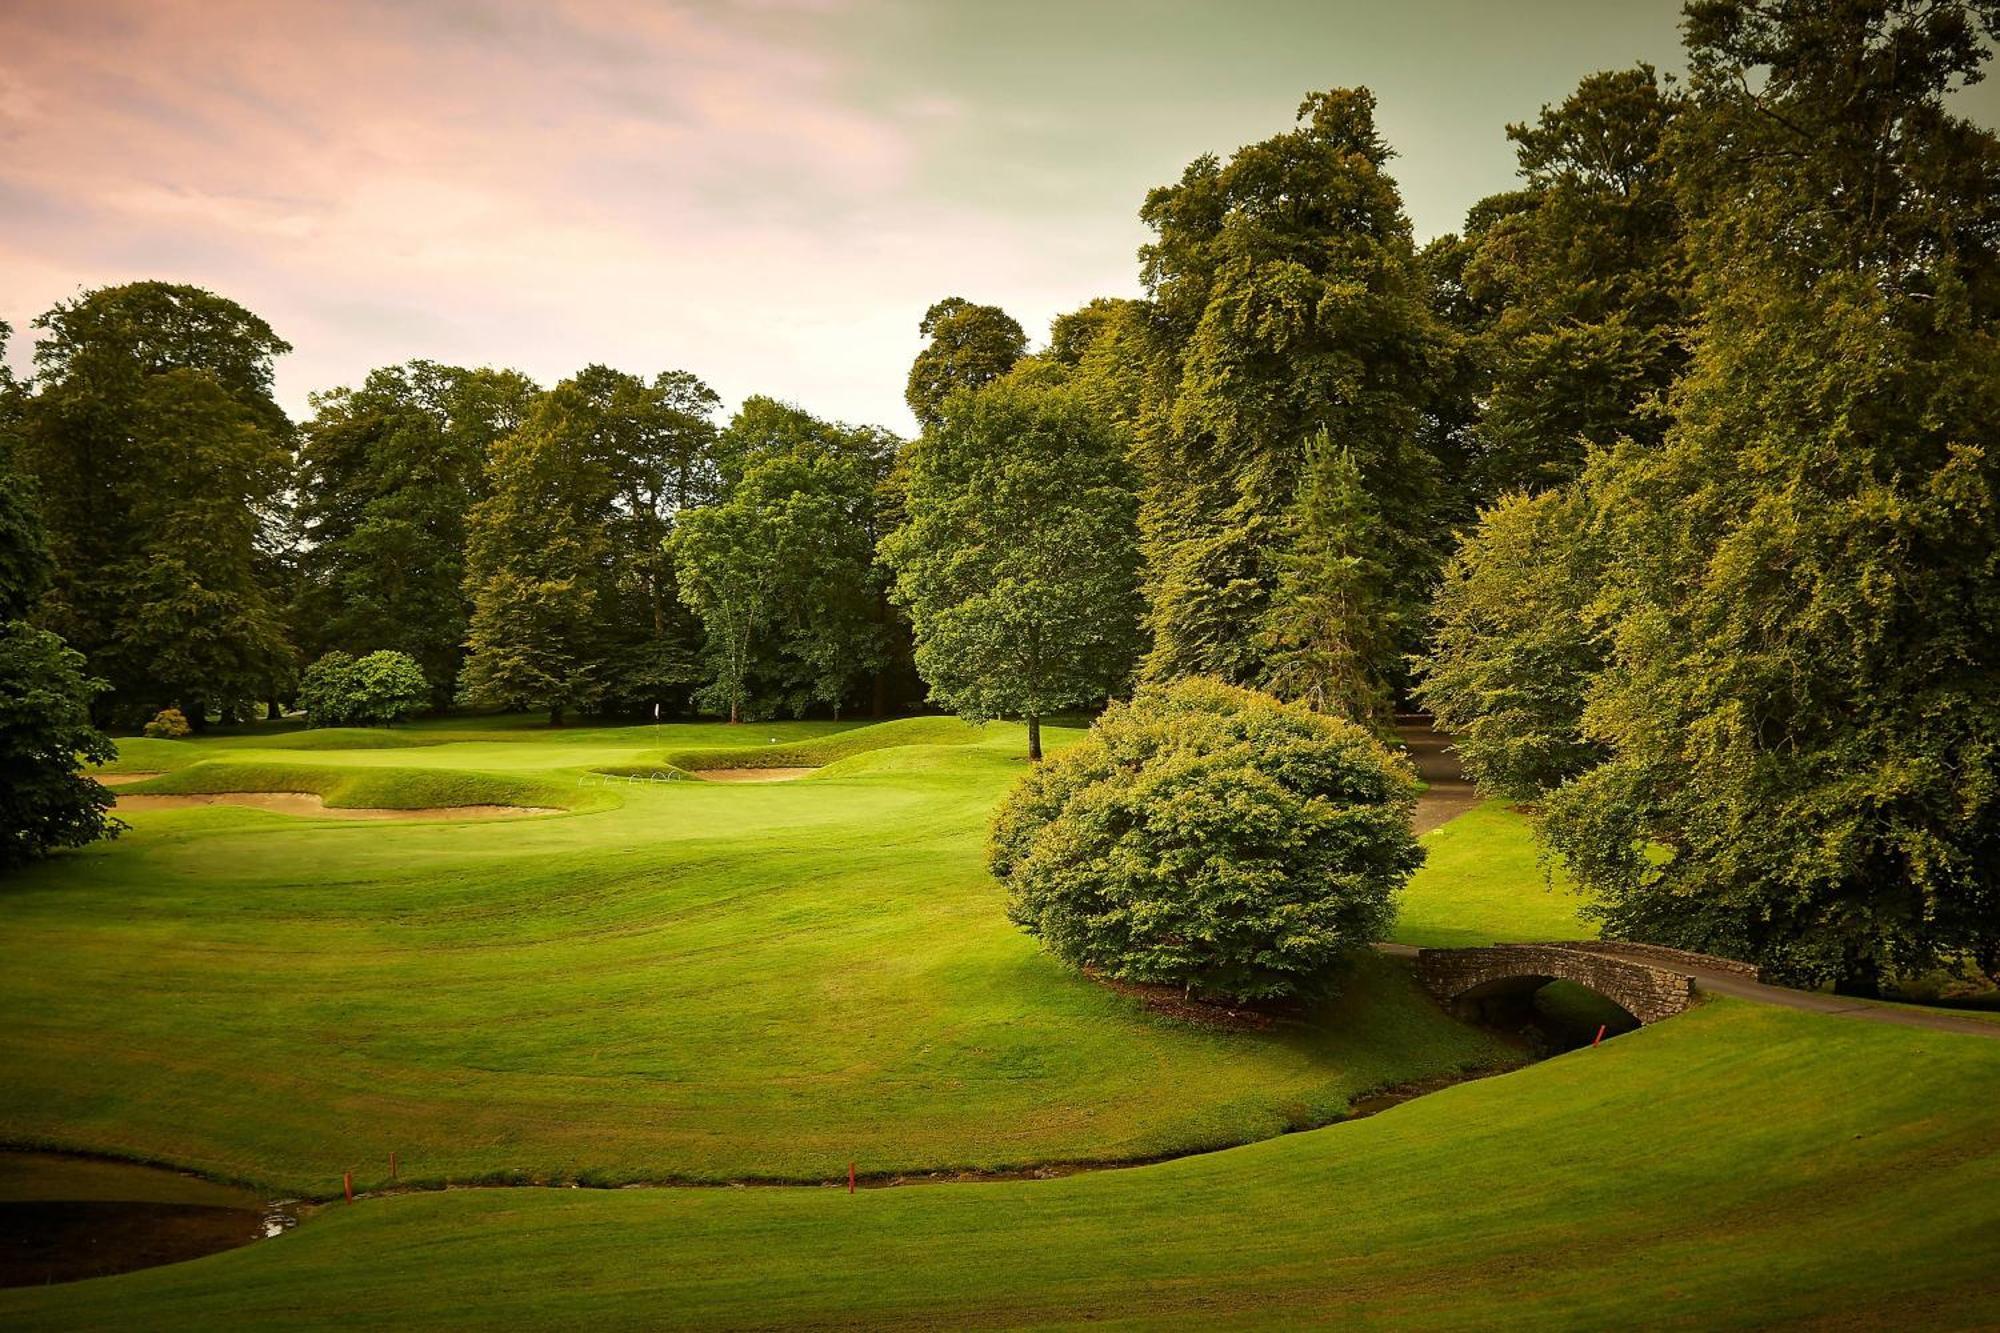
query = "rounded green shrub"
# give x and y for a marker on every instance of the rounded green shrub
(343, 691)
(169, 724)
(1210, 837)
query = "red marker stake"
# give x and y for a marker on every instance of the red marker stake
(1600, 1035)
(392, 1164)
(347, 1183)
(850, 1177)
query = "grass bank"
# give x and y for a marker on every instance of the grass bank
(1737, 1167)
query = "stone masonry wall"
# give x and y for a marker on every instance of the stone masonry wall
(1649, 993)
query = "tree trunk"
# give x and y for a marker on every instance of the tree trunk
(735, 710)
(1035, 737)
(1859, 977)
(1988, 956)
(555, 715)
(878, 703)
(273, 710)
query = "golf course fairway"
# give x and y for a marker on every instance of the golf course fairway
(688, 985)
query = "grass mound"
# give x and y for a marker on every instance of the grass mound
(822, 751)
(340, 738)
(365, 788)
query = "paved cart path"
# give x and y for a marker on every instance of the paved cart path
(1448, 793)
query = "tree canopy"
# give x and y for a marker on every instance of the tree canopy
(1286, 300)
(1800, 598)
(46, 736)
(969, 347)
(1572, 291)
(387, 474)
(1018, 560)
(160, 459)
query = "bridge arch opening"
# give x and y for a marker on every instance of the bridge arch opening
(1554, 1011)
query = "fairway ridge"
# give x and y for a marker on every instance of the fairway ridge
(752, 774)
(312, 805)
(1864, 1178)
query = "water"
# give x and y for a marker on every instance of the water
(63, 1219)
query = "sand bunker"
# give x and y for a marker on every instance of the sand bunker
(306, 803)
(752, 774)
(120, 779)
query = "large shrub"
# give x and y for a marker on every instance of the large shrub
(1210, 837)
(169, 724)
(45, 737)
(376, 690)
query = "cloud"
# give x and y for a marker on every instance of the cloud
(534, 184)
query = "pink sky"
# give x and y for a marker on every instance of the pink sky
(765, 192)
(539, 185)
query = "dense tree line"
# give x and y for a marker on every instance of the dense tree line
(1666, 483)
(551, 549)
(1748, 658)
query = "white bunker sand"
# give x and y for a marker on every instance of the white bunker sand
(306, 803)
(120, 779)
(752, 774)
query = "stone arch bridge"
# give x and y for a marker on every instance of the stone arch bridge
(1648, 982)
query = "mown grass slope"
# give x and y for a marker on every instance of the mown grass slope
(681, 981)
(1484, 881)
(1739, 1166)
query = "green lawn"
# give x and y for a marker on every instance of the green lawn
(1483, 881)
(1738, 1166)
(683, 981)
(715, 982)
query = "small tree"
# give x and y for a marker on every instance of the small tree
(1210, 837)
(169, 724)
(323, 690)
(726, 559)
(1514, 653)
(386, 688)
(1331, 636)
(1019, 560)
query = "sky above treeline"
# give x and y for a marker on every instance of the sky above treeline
(765, 192)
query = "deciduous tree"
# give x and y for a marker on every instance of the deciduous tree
(781, 568)
(46, 801)
(160, 457)
(1286, 300)
(1574, 288)
(1514, 645)
(387, 474)
(573, 602)
(1802, 582)
(969, 347)
(1018, 562)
